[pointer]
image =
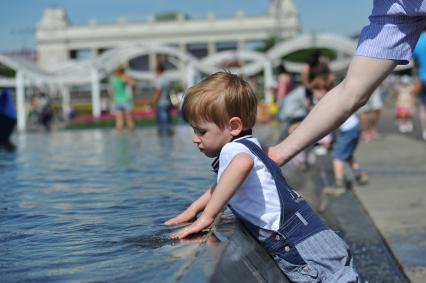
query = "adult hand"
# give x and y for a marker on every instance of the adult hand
(274, 154)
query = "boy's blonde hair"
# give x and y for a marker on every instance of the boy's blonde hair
(218, 98)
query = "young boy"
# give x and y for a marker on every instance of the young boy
(222, 111)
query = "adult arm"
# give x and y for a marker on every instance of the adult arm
(231, 179)
(364, 75)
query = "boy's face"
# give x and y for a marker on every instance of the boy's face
(209, 138)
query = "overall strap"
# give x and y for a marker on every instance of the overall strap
(298, 221)
(289, 198)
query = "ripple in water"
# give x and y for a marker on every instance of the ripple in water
(89, 205)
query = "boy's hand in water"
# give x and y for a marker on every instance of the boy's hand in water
(198, 226)
(199, 238)
(186, 216)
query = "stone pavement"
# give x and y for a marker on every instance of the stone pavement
(395, 198)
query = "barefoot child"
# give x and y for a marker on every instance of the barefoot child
(222, 111)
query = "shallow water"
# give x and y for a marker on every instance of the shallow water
(89, 205)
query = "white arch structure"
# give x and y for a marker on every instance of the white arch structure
(92, 71)
(344, 46)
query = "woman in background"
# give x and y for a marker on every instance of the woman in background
(123, 105)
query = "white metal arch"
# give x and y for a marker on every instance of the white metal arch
(26, 73)
(257, 62)
(305, 41)
(93, 70)
(109, 60)
(31, 70)
(210, 64)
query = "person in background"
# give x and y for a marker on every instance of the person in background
(162, 102)
(420, 63)
(105, 105)
(121, 97)
(317, 65)
(405, 104)
(388, 40)
(7, 119)
(45, 111)
(369, 115)
(293, 108)
(319, 87)
(179, 94)
(344, 146)
(284, 84)
(222, 112)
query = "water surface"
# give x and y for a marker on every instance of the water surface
(88, 205)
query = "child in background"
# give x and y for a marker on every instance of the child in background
(344, 145)
(319, 88)
(369, 115)
(405, 103)
(344, 148)
(222, 111)
(122, 97)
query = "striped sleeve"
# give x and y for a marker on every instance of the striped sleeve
(394, 29)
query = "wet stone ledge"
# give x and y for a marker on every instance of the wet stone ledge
(231, 255)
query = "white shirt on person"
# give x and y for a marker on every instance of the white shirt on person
(350, 123)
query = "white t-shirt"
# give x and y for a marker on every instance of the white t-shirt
(350, 123)
(257, 198)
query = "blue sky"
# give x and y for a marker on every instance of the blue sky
(19, 17)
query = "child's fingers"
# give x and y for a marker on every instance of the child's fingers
(171, 222)
(185, 232)
(182, 233)
(177, 235)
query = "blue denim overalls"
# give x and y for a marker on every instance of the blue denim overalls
(304, 247)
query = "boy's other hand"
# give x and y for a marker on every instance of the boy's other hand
(184, 217)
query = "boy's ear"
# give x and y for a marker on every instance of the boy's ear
(235, 126)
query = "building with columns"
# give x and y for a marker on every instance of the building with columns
(58, 41)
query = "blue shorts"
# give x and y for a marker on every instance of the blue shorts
(346, 143)
(394, 29)
(123, 106)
